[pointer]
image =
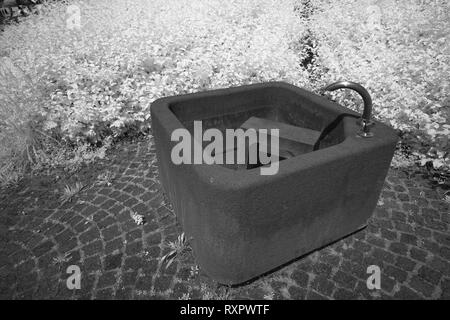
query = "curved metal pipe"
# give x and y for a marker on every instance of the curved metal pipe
(366, 121)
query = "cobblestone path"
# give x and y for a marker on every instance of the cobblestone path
(408, 238)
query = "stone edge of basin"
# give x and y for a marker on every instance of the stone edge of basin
(228, 178)
(209, 200)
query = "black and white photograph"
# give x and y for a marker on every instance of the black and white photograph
(240, 151)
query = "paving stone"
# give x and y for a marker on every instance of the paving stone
(87, 285)
(113, 261)
(46, 289)
(141, 208)
(124, 293)
(105, 294)
(180, 289)
(365, 293)
(398, 216)
(133, 235)
(116, 209)
(396, 273)
(404, 197)
(430, 275)
(423, 232)
(381, 213)
(131, 202)
(345, 280)
(133, 248)
(406, 293)
(107, 279)
(405, 263)
(440, 265)
(311, 295)
(444, 252)
(411, 208)
(149, 266)
(421, 286)
(99, 200)
(43, 248)
(445, 286)
(376, 241)
(144, 282)
(75, 220)
(153, 251)
(322, 269)
(387, 283)
(128, 278)
(297, 293)
(430, 246)
(68, 245)
(111, 232)
(383, 255)
(26, 281)
(105, 223)
(99, 215)
(114, 245)
(442, 238)
(90, 235)
(82, 226)
(362, 246)
(398, 248)
(353, 255)
(344, 294)
(388, 234)
(93, 248)
(25, 267)
(105, 191)
(154, 239)
(418, 254)
(331, 259)
(133, 263)
(358, 270)
(92, 264)
(323, 285)
(403, 227)
(108, 204)
(407, 237)
(162, 283)
(301, 278)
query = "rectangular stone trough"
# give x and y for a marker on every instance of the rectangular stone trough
(243, 224)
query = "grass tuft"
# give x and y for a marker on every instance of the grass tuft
(70, 192)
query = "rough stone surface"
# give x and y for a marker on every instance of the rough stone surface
(408, 238)
(315, 200)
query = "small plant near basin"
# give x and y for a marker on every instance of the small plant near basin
(70, 192)
(217, 293)
(178, 249)
(9, 178)
(105, 178)
(60, 259)
(139, 219)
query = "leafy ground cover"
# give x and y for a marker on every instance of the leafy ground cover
(69, 92)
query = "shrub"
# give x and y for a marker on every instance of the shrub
(398, 50)
(86, 84)
(68, 88)
(103, 77)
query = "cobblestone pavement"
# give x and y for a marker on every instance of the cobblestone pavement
(408, 238)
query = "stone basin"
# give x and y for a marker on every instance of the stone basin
(242, 224)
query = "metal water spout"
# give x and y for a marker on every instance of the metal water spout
(365, 121)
